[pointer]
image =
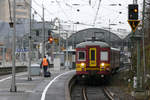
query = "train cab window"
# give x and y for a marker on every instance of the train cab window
(104, 56)
(81, 55)
(92, 54)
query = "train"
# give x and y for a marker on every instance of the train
(96, 58)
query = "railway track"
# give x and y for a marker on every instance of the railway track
(92, 93)
(8, 70)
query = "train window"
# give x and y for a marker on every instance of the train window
(92, 54)
(104, 56)
(81, 55)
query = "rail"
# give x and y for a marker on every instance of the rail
(109, 94)
(84, 94)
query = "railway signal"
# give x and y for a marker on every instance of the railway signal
(50, 39)
(133, 12)
(133, 24)
(56, 40)
(133, 16)
(49, 33)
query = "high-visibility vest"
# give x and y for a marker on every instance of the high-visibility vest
(45, 62)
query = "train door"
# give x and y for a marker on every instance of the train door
(92, 57)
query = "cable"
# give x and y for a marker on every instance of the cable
(97, 12)
(33, 8)
(94, 4)
(61, 9)
(37, 3)
(42, 7)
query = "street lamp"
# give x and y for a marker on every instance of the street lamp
(13, 84)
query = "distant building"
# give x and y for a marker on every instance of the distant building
(22, 10)
(4, 11)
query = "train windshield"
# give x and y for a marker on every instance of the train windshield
(92, 54)
(104, 56)
(81, 55)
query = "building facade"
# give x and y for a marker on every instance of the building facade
(22, 10)
(4, 11)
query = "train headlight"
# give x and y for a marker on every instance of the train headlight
(82, 64)
(102, 64)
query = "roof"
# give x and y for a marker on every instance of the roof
(100, 34)
(116, 49)
(91, 43)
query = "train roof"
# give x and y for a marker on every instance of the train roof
(92, 43)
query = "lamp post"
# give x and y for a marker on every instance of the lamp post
(43, 32)
(143, 18)
(13, 84)
(29, 66)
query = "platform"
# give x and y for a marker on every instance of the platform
(39, 88)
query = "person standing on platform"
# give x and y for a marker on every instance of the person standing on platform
(45, 64)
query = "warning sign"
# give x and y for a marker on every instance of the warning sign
(133, 24)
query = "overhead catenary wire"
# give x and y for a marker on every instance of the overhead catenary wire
(33, 9)
(62, 10)
(97, 12)
(41, 7)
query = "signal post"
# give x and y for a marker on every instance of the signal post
(134, 22)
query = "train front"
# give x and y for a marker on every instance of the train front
(93, 59)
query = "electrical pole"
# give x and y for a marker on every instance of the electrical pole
(73, 37)
(43, 32)
(143, 18)
(59, 38)
(13, 84)
(138, 41)
(67, 62)
(29, 66)
(109, 34)
(134, 1)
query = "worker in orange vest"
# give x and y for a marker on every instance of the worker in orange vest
(45, 64)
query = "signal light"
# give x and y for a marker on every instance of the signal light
(50, 39)
(49, 33)
(56, 40)
(133, 12)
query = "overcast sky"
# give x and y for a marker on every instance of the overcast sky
(84, 11)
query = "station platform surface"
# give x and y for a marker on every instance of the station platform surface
(40, 88)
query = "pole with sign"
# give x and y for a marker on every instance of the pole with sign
(134, 22)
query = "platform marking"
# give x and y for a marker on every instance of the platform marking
(46, 88)
(10, 77)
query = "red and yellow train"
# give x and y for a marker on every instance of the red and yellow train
(96, 58)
